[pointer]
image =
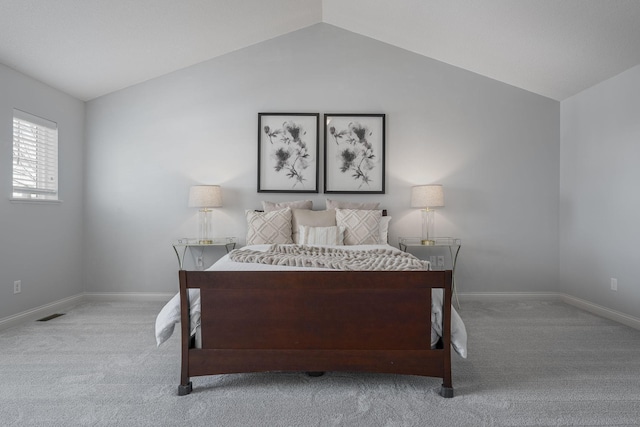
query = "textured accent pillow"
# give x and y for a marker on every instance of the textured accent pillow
(362, 227)
(268, 227)
(384, 229)
(337, 204)
(312, 219)
(298, 204)
(320, 235)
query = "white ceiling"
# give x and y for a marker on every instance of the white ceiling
(555, 48)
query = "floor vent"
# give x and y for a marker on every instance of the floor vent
(53, 316)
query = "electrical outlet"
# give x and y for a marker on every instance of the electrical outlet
(441, 261)
(432, 260)
(199, 261)
(614, 284)
(17, 286)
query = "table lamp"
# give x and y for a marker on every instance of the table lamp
(205, 197)
(427, 197)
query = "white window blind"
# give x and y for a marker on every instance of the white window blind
(35, 157)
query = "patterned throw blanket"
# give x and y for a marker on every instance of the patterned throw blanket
(330, 257)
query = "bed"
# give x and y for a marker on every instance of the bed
(242, 316)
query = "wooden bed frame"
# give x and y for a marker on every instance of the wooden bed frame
(315, 321)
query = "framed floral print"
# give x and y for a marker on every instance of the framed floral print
(354, 150)
(288, 149)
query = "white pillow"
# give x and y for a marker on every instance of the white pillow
(320, 235)
(362, 227)
(337, 204)
(268, 227)
(312, 219)
(298, 204)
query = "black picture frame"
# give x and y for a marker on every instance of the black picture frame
(288, 151)
(354, 153)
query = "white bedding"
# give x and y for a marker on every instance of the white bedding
(170, 313)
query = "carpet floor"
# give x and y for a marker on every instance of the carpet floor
(530, 363)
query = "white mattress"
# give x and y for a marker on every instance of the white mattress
(170, 313)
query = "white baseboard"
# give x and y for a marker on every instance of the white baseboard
(66, 303)
(599, 310)
(596, 309)
(492, 296)
(40, 312)
(63, 304)
(128, 296)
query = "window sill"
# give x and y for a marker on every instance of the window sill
(36, 201)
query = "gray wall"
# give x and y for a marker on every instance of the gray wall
(599, 196)
(495, 148)
(40, 244)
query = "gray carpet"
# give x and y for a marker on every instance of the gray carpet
(531, 363)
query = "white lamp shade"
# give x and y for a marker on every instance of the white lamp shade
(427, 196)
(205, 196)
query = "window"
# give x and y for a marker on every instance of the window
(35, 157)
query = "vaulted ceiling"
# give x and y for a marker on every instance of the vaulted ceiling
(88, 48)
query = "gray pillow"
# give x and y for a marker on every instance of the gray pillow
(337, 204)
(298, 204)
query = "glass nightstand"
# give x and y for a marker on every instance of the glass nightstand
(180, 246)
(452, 243)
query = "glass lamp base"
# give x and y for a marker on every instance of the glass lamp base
(427, 228)
(204, 227)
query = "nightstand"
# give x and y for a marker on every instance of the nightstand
(453, 245)
(181, 245)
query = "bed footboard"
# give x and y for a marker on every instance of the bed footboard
(316, 321)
